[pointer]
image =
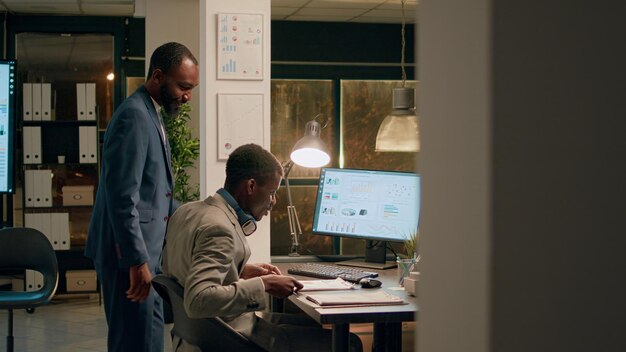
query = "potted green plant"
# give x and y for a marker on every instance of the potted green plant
(410, 245)
(185, 149)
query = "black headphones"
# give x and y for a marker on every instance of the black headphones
(247, 222)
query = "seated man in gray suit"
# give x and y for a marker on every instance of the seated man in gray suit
(206, 252)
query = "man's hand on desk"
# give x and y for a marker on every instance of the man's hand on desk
(281, 286)
(254, 270)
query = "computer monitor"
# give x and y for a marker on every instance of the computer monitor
(7, 124)
(373, 205)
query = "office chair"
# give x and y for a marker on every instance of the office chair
(208, 334)
(25, 248)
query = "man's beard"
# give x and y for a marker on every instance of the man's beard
(170, 104)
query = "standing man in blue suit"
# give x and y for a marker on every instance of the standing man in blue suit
(134, 201)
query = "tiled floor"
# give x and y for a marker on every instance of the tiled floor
(69, 325)
(78, 325)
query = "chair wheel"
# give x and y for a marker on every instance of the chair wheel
(30, 310)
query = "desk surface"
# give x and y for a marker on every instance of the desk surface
(363, 314)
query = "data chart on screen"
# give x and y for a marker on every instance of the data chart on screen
(367, 204)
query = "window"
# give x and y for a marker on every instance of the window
(350, 137)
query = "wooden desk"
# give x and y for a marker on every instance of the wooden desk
(387, 319)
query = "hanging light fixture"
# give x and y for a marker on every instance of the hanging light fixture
(399, 130)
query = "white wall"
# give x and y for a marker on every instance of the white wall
(523, 124)
(455, 163)
(193, 23)
(175, 21)
(212, 171)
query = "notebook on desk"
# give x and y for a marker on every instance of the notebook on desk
(326, 285)
(356, 298)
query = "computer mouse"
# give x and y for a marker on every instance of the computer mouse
(370, 283)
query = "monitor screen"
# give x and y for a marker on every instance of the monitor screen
(7, 124)
(367, 204)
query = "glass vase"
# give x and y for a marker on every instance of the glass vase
(405, 266)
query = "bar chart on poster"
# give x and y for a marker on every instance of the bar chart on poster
(7, 123)
(240, 46)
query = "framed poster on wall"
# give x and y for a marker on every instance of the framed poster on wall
(240, 40)
(239, 121)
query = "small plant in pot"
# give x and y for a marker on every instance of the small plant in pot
(411, 245)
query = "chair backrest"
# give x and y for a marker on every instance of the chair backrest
(209, 334)
(26, 248)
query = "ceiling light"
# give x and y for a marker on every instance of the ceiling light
(399, 130)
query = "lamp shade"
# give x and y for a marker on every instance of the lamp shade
(310, 150)
(399, 130)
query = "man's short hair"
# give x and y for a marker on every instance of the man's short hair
(167, 56)
(250, 161)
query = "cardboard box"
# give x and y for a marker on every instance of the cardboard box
(77, 195)
(80, 280)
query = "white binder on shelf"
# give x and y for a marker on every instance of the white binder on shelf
(35, 140)
(92, 147)
(87, 144)
(80, 101)
(41, 222)
(28, 145)
(33, 220)
(32, 145)
(38, 280)
(29, 187)
(46, 101)
(60, 229)
(30, 280)
(27, 101)
(37, 189)
(45, 179)
(36, 101)
(83, 144)
(45, 221)
(90, 101)
(43, 188)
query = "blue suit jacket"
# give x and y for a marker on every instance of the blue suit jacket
(134, 198)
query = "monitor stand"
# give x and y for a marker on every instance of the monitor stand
(375, 255)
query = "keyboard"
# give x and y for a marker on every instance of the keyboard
(324, 271)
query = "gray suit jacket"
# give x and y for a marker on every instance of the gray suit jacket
(205, 251)
(134, 198)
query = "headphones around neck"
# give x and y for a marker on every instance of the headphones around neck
(247, 221)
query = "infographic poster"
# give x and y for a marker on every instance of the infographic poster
(239, 121)
(240, 46)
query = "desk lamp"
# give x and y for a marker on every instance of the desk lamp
(399, 131)
(310, 151)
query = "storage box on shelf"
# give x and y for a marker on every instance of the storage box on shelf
(80, 280)
(77, 195)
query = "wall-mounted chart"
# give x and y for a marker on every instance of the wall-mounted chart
(240, 46)
(239, 121)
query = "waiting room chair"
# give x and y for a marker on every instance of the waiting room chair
(24, 248)
(208, 334)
